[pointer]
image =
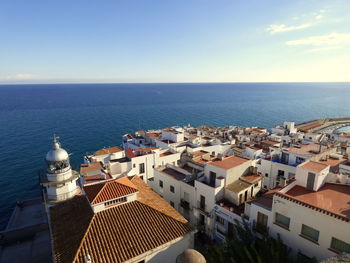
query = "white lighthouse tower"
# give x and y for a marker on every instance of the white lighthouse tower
(60, 181)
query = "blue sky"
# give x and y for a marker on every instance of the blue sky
(174, 41)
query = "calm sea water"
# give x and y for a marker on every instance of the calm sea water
(90, 116)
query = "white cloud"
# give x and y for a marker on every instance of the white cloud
(325, 48)
(283, 28)
(20, 76)
(313, 18)
(332, 39)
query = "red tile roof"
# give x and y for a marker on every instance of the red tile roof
(88, 167)
(105, 191)
(109, 150)
(229, 162)
(69, 222)
(266, 199)
(130, 153)
(123, 232)
(96, 178)
(117, 234)
(331, 199)
(314, 166)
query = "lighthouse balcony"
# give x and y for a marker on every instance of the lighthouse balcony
(57, 179)
(52, 198)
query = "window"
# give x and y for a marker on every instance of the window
(141, 168)
(282, 220)
(280, 173)
(220, 220)
(266, 175)
(172, 204)
(172, 189)
(310, 233)
(134, 165)
(299, 160)
(291, 175)
(212, 178)
(115, 201)
(340, 246)
(160, 183)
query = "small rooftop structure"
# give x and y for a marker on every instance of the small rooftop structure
(228, 162)
(237, 186)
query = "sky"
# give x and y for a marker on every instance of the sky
(83, 41)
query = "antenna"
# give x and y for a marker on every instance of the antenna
(55, 138)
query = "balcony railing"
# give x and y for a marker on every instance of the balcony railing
(185, 205)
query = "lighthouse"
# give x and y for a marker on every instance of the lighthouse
(60, 182)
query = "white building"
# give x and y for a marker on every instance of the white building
(310, 215)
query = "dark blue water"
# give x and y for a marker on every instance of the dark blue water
(90, 116)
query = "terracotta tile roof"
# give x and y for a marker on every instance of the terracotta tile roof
(105, 191)
(306, 149)
(116, 234)
(109, 150)
(69, 222)
(331, 199)
(314, 166)
(229, 162)
(88, 167)
(148, 197)
(123, 232)
(333, 162)
(96, 178)
(153, 134)
(130, 153)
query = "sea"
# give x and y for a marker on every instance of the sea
(88, 117)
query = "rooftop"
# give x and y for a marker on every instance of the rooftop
(333, 198)
(237, 186)
(333, 161)
(251, 178)
(88, 167)
(314, 166)
(126, 231)
(306, 149)
(229, 206)
(173, 173)
(109, 150)
(102, 192)
(117, 234)
(265, 200)
(229, 162)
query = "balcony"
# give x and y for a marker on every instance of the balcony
(260, 228)
(185, 205)
(202, 206)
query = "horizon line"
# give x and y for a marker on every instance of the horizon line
(185, 82)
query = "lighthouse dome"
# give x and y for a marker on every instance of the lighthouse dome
(56, 155)
(57, 159)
